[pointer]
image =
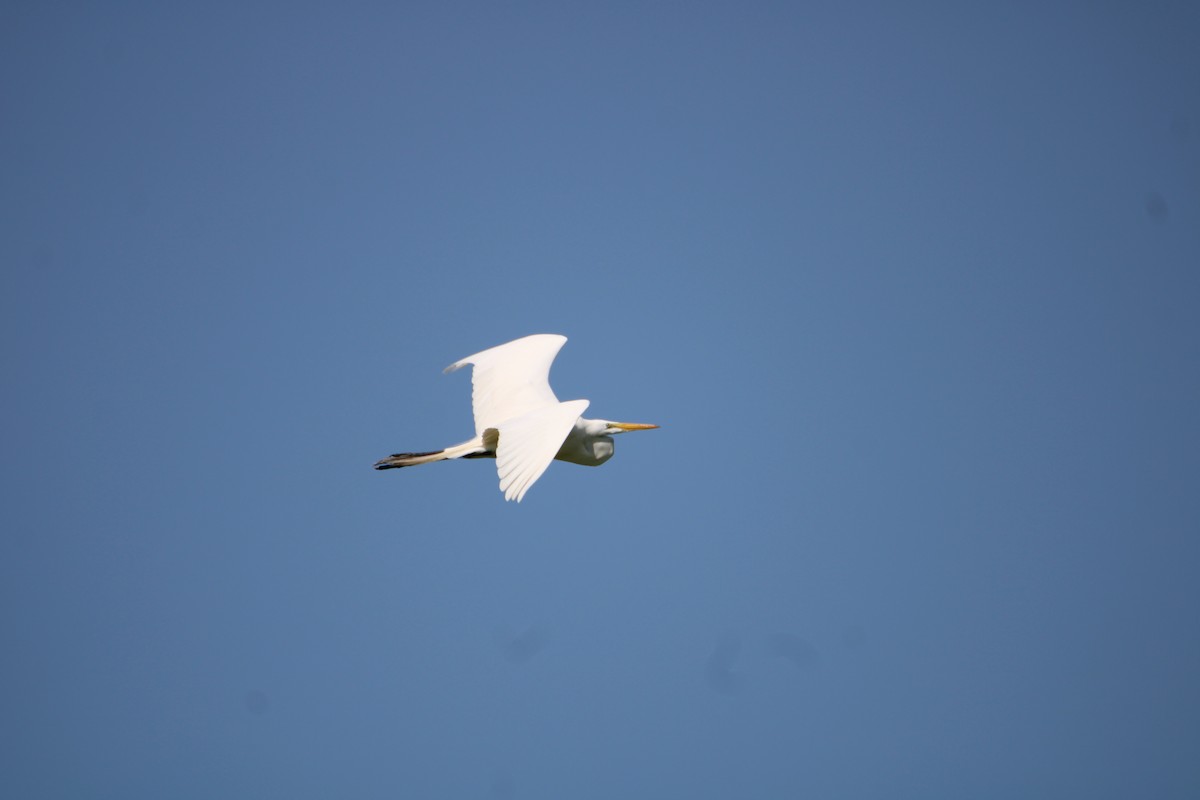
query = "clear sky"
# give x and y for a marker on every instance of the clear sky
(913, 290)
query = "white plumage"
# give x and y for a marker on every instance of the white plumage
(511, 379)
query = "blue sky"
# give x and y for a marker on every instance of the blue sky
(912, 291)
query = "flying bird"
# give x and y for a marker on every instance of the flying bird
(519, 421)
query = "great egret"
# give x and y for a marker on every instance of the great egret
(518, 420)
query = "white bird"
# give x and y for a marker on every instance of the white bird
(518, 420)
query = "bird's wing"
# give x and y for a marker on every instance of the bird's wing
(528, 444)
(511, 379)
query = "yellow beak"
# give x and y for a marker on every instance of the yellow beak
(633, 426)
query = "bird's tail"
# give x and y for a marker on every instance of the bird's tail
(467, 449)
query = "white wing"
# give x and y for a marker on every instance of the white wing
(528, 444)
(512, 379)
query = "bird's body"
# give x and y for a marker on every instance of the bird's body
(518, 419)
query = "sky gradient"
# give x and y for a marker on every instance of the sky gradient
(913, 291)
